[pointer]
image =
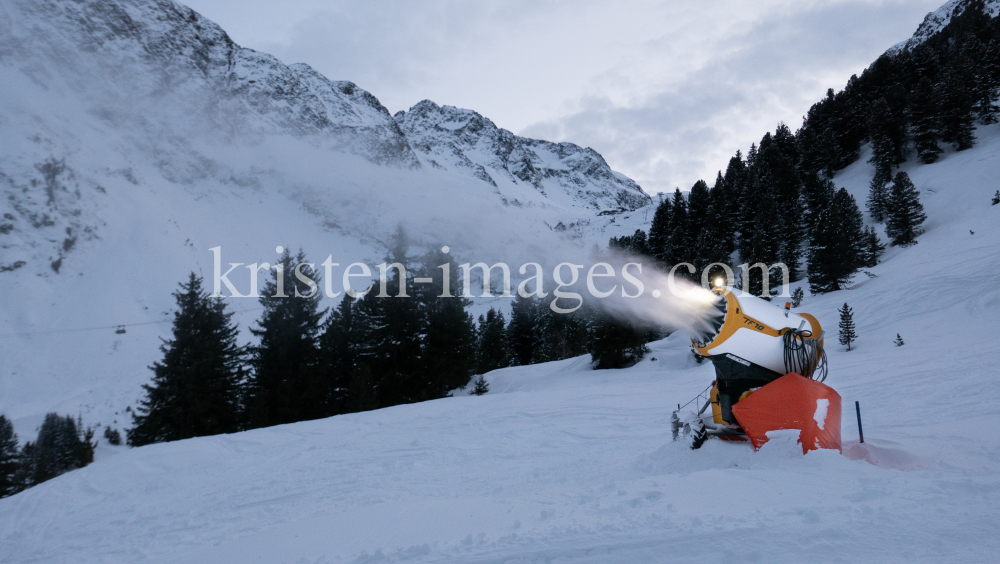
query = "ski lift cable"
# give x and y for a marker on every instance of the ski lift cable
(103, 327)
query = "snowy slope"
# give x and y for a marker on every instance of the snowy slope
(135, 136)
(560, 463)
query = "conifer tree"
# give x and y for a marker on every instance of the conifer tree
(523, 329)
(887, 134)
(362, 390)
(679, 215)
(797, 296)
(10, 458)
(988, 82)
(873, 248)
(899, 341)
(24, 475)
(113, 437)
(481, 386)
(905, 213)
(956, 109)
(637, 243)
(62, 445)
(659, 229)
(370, 320)
(561, 335)
(760, 242)
(923, 108)
(449, 348)
(339, 348)
(847, 334)
(888, 149)
(838, 246)
(735, 184)
(699, 204)
(817, 194)
(615, 343)
(287, 383)
(491, 342)
(777, 161)
(878, 195)
(400, 337)
(752, 157)
(678, 248)
(996, 198)
(754, 190)
(725, 206)
(710, 247)
(196, 386)
(712, 243)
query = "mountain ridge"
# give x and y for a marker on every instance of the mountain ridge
(935, 21)
(450, 137)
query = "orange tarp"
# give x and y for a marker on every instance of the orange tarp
(792, 402)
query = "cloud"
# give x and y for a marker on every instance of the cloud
(771, 72)
(666, 91)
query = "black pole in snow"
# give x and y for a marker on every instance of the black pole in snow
(857, 407)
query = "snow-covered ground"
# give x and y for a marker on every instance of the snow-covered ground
(560, 463)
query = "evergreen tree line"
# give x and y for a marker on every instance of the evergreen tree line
(372, 350)
(778, 203)
(537, 334)
(909, 99)
(63, 444)
(764, 209)
(367, 352)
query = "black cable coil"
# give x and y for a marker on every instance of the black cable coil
(804, 354)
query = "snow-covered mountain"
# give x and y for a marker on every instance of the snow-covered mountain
(523, 171)
(180, 98)
(936, 20)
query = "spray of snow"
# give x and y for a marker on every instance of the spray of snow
(666, 302)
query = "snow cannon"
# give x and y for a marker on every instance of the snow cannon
(769, 372)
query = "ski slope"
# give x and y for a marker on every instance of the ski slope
(560, 463)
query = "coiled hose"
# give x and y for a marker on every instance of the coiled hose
(804, 354)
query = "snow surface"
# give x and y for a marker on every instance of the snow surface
(561, 463)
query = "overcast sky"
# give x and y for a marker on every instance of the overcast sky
(666, 91)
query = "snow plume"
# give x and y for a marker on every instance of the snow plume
(666, 301)
(629, 288)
